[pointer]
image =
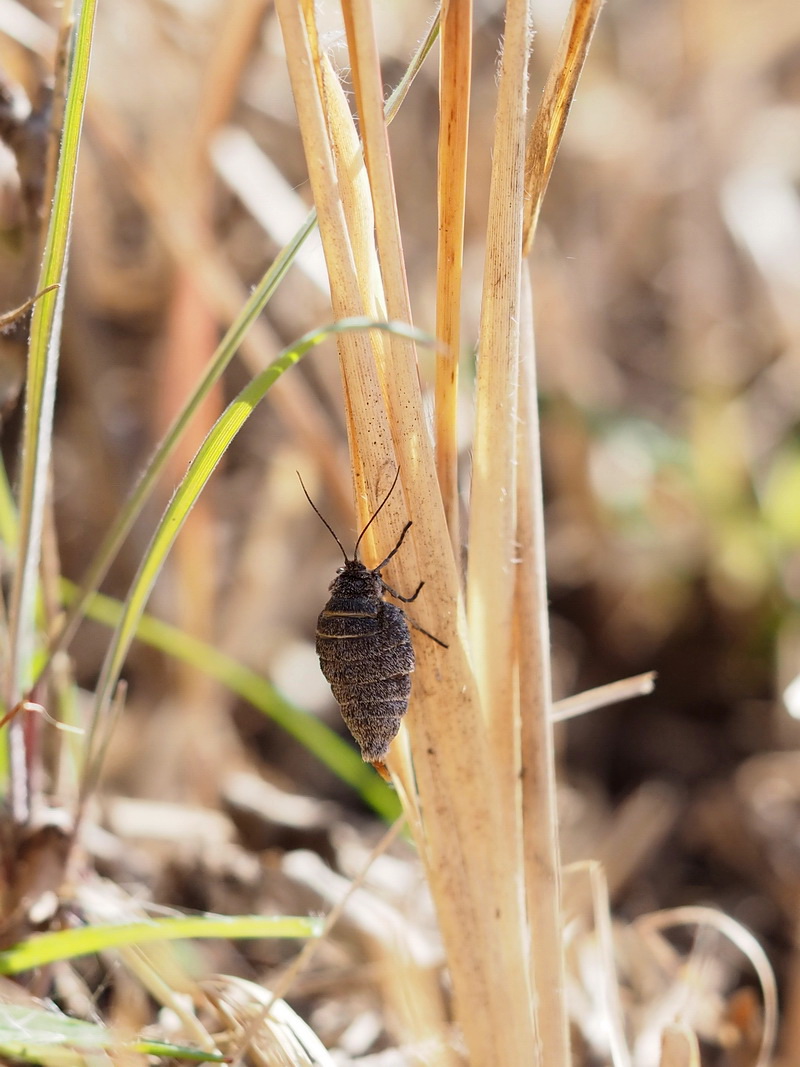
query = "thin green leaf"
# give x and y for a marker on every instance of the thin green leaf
(50, 1038)
(40, 388)
(41, 949)
(9, 525)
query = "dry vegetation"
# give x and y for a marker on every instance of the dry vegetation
(665, 279)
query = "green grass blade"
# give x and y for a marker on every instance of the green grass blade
(9, 526)
(200, 470)
(41, 949)
(43, 361)
(47, 1037)
(40, 386)
(337, 755)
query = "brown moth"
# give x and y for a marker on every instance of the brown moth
(365, 649)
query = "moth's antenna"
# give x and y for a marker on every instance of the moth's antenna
(374, 514)
(325, 521)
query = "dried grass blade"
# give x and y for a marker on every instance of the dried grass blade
(305, 72)
(492, 531)
(454, 98)
(603, 695)
(540, 823)
(397, 366)
(476, 899)
(540, 826)
(548, 126)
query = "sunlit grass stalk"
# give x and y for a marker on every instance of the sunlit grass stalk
(551, 116)
(455, 74)
(540, 824)
(492, 529)
(45, 340)
(477, 903)
(541, 855)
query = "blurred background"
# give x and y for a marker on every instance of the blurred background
(667, 290)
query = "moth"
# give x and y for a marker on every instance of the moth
(364, 646)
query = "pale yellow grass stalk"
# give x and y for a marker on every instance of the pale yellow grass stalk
(541, 855)
(503, 1024)
(551, 117)
(469, 880)
(492, 530)
(491, 574)
(590, 900)
(540, 823)
(494, 878)
(454, 97)
(603, 695)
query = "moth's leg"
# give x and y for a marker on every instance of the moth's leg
(399, 596)
(427, 633)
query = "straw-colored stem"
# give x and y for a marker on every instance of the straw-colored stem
(454, 98)
(477, 902)
(603, 695)
(548, 126)
(492, 531)
(540, 824)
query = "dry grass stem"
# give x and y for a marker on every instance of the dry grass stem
(611, 992)
(548, 126)
(454, 98)
(492, 531)
(540, 821)
(477, 901)
(603, 695)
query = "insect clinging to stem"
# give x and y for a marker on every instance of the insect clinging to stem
(364, 646)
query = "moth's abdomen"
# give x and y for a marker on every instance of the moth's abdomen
(374, 723)
(367, 656)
